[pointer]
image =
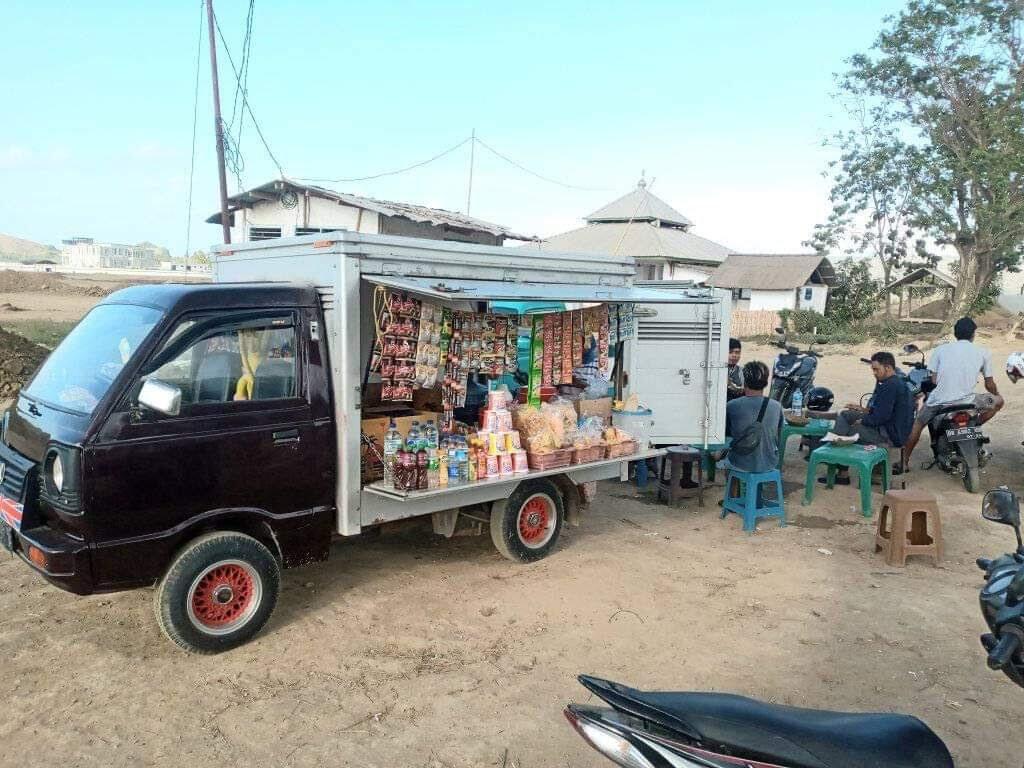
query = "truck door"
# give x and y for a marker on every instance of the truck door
(245, 441)
(671, 372)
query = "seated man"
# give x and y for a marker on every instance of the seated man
(887, 422)
(955, 367)
(742, 412)
(735, 376)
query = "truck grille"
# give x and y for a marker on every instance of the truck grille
(18, 474)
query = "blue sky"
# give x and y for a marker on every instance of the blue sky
(724, 105)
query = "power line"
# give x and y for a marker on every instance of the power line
(245, 99)
(395, 172)
(523, 168)
(195, 118)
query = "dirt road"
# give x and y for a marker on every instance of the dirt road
(410, 650)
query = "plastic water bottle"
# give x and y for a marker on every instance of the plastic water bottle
(430, 435)
(412, 440)
(392, 445)
(453, 467)
(798, 402)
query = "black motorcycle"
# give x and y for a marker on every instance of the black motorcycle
(958, 444)
(643, 729)
(793, 371)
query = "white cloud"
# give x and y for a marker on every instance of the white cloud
(15, 156)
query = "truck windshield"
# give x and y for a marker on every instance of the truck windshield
(78, 373)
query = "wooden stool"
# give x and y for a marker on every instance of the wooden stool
(669, 488)
(916, 527)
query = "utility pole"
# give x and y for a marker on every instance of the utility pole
(472, 154)
(219, 127)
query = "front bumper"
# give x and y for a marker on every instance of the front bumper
(60, 559)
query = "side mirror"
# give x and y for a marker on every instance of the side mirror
(780, 330)
(911, 349)
(160, 397)
(1001, 506)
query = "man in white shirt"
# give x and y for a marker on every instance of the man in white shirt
(954, 368)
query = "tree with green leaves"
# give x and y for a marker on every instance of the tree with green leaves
(855, 295)
(199, 258)
(947, 78)
(870, 196)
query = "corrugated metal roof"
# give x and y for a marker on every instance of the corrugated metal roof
(419, 213)
(771, 271)
(639, 205)
(917, 274)
(640, 240)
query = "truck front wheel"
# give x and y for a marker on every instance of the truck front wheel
(219, 592)
(525, 526)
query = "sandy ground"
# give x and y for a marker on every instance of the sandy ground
(410, 650)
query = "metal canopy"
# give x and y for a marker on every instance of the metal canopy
(447, 289)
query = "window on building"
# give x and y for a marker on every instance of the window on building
(316, 230)
(264, 233)
(808, 293)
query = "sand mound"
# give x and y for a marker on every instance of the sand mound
(14, 281)
(19, 359)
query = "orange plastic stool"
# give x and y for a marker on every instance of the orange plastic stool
(915, 529)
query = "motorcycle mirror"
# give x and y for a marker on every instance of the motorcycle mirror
(911, 349)
(1001, 506)
(780, 330)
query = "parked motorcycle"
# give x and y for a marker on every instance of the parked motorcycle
(918, 375)
(958, 444)
(793, 371)
(644, 729)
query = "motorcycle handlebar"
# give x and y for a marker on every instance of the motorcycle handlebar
(1008, 645)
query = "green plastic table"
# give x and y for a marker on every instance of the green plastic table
(854, 456)
(707, 462)
(813, 428)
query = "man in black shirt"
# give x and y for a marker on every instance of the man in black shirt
(735, 376)
(889, 416)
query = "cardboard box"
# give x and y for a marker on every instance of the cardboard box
(602, 407)
(375, 426)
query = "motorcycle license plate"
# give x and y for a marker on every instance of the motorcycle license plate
(961, 434)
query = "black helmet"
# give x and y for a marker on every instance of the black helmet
(820, 399)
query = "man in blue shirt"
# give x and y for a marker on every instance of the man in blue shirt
(888, 419)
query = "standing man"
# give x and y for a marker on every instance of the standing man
(735, 379)
(954, 368)
(887, 421)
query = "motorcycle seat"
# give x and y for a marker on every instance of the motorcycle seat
(780, 735)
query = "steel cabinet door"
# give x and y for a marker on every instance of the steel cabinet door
(672, 373)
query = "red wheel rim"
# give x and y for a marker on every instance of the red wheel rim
(536, 521)
(223, 596)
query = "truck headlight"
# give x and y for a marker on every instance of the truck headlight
(57, 473)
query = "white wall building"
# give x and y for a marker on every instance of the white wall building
(775, 281)
(285, 209)
(85, 252)
(644, 226)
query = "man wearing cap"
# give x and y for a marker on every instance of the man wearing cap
(954, 368)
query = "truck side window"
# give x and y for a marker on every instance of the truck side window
(251, 363)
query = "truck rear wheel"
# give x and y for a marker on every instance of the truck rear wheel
(526, 525)
(218, 593)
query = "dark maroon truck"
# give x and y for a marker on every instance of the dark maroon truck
(200, 438)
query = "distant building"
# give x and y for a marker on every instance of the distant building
(85, 252)
(285, 209)
(645, 227)
(775, 281)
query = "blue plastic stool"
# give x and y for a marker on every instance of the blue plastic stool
(746, 503)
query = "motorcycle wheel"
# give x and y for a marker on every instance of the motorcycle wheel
(782, 392)
(972, 479)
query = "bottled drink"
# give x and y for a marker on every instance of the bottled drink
(422, 465)
(442, 468)
(412, 440)
(798, 402)
(405, 471)
(453, 466)
(430, 435)
(433, 469)
(392, 445)
(463, 466)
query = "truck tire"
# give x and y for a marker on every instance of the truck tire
(218, 593)
(526, 525)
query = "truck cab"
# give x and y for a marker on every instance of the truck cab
(170, 412)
